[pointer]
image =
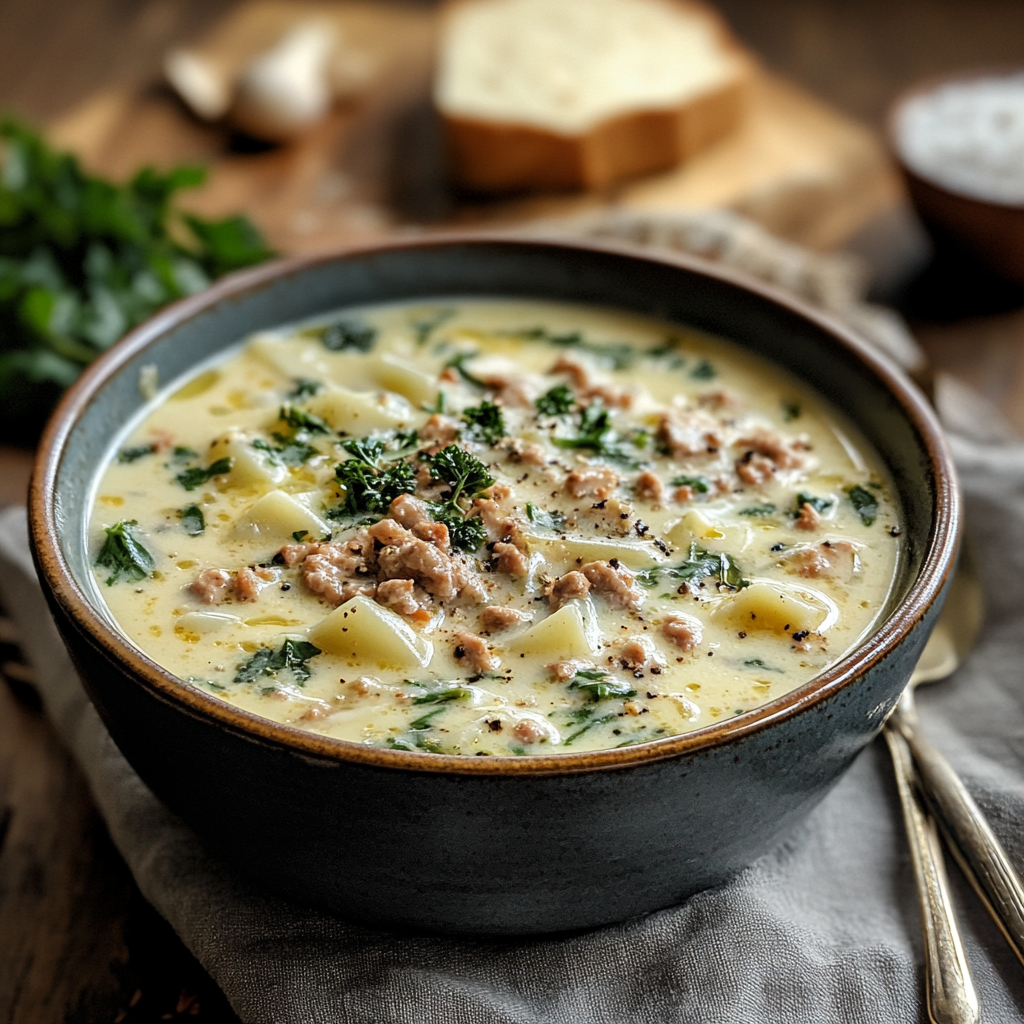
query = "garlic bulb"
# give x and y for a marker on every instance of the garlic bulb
(287, 88)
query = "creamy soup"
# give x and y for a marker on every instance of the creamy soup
(494, 527)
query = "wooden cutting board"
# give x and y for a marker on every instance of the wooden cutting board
(377, 165)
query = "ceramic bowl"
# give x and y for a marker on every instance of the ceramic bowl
(508, 845)
(992, 233)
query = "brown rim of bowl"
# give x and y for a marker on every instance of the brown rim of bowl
(930, 84)
(935, 566)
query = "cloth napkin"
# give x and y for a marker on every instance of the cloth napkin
(824, 929)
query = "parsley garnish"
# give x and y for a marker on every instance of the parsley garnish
(766, 509)
(192, 520)
(292, 451)
(597, 434)
(299, 420)
(865, 503)
(369, 489)
(134, 454)
(698, 483)
(556, 402)
(443, 695)
(458, 363)
(124, 554)
(345, 335)
(196, 476)
(293, 655)
(704, 371)
(306, 387)
(790, 411)
(465, 475)
(182, 454)
(486, 422)
(700, 565)
(818, 504)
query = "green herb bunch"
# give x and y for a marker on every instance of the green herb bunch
(83, 260)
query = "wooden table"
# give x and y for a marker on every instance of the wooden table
(77, 941)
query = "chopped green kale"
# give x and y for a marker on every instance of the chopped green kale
(443, 695)
(192, 520)
(591, 724)
(557, 401)
(620, 354)
(299, 420)
(759, 511)
(698, 483)
(458, 363)
(700, 565)
(597, 434)
(369, 489)
(196, 476)
(865, 503)
(790, 411)
(464, 473)
(305, 387)
(486, 422)
(345, 336)
(818, 504)
(599, 685)
(425, 326)
(544, 519)
(758, 663)
(182, 454)
(124, 554)
(704, 371)
(293, 655)
(289, 451)
(126, 455)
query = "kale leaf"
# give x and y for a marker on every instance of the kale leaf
(196, 476)
(486, 422)
(699, 565)
(192, 520)
(126, 455)
(865, 503)
(698, 483)
(124, 554)
(293, 655)
(558, 401)
(345, 336)
(299, 420)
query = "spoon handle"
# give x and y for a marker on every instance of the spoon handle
(973, 843)
(949, 989)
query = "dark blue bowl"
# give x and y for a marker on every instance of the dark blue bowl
(494, 845)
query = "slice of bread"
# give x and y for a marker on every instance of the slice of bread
(582, 93)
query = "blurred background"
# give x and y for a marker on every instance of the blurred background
(125, 84)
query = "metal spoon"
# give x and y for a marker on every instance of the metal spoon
(970, 838)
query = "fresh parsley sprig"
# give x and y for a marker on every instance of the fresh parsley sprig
(465, 476)
(485, 422)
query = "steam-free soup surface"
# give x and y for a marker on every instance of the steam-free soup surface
(494, 527)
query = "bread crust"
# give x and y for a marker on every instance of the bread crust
(487, 156)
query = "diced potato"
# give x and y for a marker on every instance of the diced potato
(205, 622)
(279, 516)
(571, 632)
(764, 606)
(368, 634)
(572, 552)
(289, 357)
(695, 526)
(250, 467)
(394, 375)
(361, 412)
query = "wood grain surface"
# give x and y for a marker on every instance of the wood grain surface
(77, 941)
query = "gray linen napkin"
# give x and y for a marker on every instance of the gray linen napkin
(822, 930)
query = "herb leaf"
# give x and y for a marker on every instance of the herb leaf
(126, 455)
(467, 534)
(458, 363)
(597, 434)
(698, 483)
(599, 685)
(592, 723)
(558, 401)
(196, 476)
(124, 554)
(818, 504)
(192, 520)
(369, 489)
(865, 503)
(544, 519)
(701, 564)
(444, 695)
(293, 655)
(306, 387)
(766, 509)
(345, 336)
(299, 420)
(704, 371)
(461, 471)
(486, 422)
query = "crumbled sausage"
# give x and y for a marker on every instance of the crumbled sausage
(615, 582)
(251, 580)
(509, 559)
(511, 389)
(828, 560)
(592, 482)
(527, 730)
(439, 428)
(649, 487)
(567, 588)
(690, 433)
(434, 533)
(685, 631)
(784, 454)
(563, 671)
(496, 617)
(809, 517)
(401, 596)
(403, 555)
(330, 580)
(684, 494)
(211, 586)
(528, 452)
(408, 511)
(473, 649)
(755, 470)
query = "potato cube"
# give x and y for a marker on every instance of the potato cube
(370, 635)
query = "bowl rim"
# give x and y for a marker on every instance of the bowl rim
(936, 564)
(930, 84)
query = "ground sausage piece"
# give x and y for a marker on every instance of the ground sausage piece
(634, 654)
(809, 517)
(569, 587)
(687, 434)
(592, 482)
(399, 595)
(684, 631)
(684, 494)
(473, 649)
(292, 554)
(496, 617)
(434, 533)
(525, 451)
(826, 561)
(408, 511)
(563, 671)
(755, 470)
(330, 581)
(510, 559)
(511, 390)
(251, 580)
(580, 375)
(649, 487)
(529, 731)
(784, 454)
(441, 429)
(615, 582)
(211, 586)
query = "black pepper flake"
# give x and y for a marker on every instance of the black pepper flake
(460, 652)
(741, 635)
(637, 674)
(895, 531)
(655, 670)
(662, 546)
(641, 528)
(286, 586)
(801, 635)
(601, 504)
(778, 547)
(651, 696)
(711, 654)
(614, 563)
(494, 726)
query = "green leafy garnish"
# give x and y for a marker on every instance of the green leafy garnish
(344, 336)
(766, 509)
(599, 685)
(369, 489)
(293, 655)
(182, 454)
(424, 327)
(790, 411)
(291, 451)
(126, 455)
(192, 520)
(619, 354)
(592, 723)
(424, 721)
(597, 435)
(462, 472)
(83, 260)
(558, 401)
(544, 519)
(196, 476)
(124, 554)
(698, 483)
(299, 420)
(306, 387)
(700, 565)
(865, 503)
(758, 663)
(465, 533)
(458, 363)
(486, 422)
(444, 695)
(704, 371)
(818, 504)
